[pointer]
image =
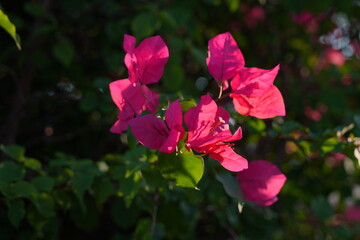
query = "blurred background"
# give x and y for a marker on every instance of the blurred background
(63, 175)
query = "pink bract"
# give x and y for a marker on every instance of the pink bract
(146, 62)
(352, 214)
(224, 58)
(270, 104)
(154, 133)
(209, 132)
(261, 182)
(254, 94)
(253, 82)
(131, 99)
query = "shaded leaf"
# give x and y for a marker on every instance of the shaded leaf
(16, 211)
(16, 152)
(321, 208)
(44, 204)
(123, 216)
(10, 172)
(23, 189)
(82, 181)
(173, 77)
(43, 183)
(230, 184)
(64, 52)
(103, 189)
(33, 164)
(144, 24)
(129, 187)
(87, 220)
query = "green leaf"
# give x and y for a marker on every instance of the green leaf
(257, 124)
(23, 189)
(230, 184)
(43, 183)
(101, 82)
(130, 186)
(33, 164)
(233, 5)
(289, 126)
(5, 189)
(173, 77)
(36, 10)
(6, 24)
(144, 25)
(16, 211)
(103, 189)
(44, 204)
(82, 181)
(16, 152)
(10, 171)
(89, 101)
(330, 145)
(64, 52)
(131, 140)
(185, 169)
(123, 216)
(86, 220)
(36, 220)
(321, 208)
(173, 217)
(142, 230)
(186, 105)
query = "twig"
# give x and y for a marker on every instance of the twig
(154, 214)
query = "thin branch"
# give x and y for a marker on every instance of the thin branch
(154, 214)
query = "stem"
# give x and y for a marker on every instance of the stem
(220, 84)
(154, 214)
(223, 96)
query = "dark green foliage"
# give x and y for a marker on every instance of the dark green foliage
(63, 175)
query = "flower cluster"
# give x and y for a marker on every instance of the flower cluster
(252, 89)
(145, 65)
(205, 127)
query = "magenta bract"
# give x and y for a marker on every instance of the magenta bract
(146, 62)
(224, 58)
(154, 133)
(269, 105)
(131, 99)
(253, 82)
(209, 132)
(254, 94)
(261, 182)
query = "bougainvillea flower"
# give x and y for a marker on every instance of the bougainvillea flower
(261, 182)
(131, 99)
(224, 58)
(154, 133)
(146, 62)
(254, 16)
(208, 132)
(352, 214)
(145, 65)
(254, 94)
